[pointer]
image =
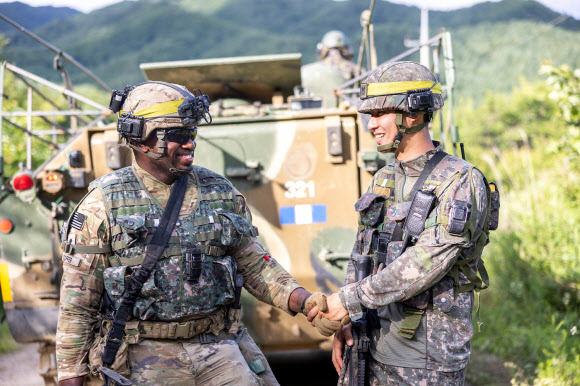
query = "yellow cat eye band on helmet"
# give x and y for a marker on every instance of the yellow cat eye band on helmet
(368, 90)
(160, 109)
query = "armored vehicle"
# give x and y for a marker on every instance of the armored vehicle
(300, 162)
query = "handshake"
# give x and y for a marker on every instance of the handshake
(325, 313)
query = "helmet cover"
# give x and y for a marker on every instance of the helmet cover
(148, 95)
(334, 39)
(397, 72)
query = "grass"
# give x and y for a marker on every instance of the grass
(532, 308)
(7, 344)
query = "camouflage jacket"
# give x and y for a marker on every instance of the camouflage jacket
(441, 341)
(87, 275)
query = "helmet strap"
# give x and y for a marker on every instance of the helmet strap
(162, 154)
(402, 130)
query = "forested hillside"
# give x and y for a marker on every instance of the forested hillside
(32, 17)
(507, 39)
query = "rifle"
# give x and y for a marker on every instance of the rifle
(356, 357)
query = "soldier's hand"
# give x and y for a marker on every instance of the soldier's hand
(335, 309)
(317, 299)
(78, 381)
(328, 327)
(342, 336)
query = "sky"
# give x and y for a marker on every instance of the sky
(568, 7)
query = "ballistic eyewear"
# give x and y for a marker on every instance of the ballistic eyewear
(181, 136)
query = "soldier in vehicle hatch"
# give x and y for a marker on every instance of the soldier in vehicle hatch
(424, 221)
(155, 256)
(333, 68)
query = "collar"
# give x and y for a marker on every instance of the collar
(152, 183)
(148, 179)
(415, 166)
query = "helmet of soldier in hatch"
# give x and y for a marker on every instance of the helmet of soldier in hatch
(334, 39)
(388, 86)
(157, 105)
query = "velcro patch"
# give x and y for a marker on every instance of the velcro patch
(77, 221)
(72, 260)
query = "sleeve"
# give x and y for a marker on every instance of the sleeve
(81, 286)
(430, 259)
(264, 277)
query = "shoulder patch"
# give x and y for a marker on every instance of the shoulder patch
(77, 221)
(72, 260)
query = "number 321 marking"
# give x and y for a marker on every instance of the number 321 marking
(299, 189)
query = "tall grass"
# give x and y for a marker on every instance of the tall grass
(532, 308)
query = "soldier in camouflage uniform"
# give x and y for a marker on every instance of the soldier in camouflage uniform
(334, 51)
(423, 297)
(183, 330)
(333, 68)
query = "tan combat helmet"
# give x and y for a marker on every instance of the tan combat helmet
(151, 106)
(334, 40)
(403, 87)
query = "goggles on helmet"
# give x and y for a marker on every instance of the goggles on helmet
(180, 135)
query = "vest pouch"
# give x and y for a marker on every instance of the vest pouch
(215, 288)
(365, 239)
(133, 230)
(234, 227)
(371, 208)
(115, 279)
(121, 365)
(420, 301)
(393, 251)
(443, 294)
(398, 212)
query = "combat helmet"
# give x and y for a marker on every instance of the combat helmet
(157, 106)
(403, 87)
(334, 39)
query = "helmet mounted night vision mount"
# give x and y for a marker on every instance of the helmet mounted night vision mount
(420, 101)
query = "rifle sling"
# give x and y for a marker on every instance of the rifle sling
(138, 278)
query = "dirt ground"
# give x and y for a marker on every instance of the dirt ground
(21, 368)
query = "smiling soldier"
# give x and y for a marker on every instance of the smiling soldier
(424, 222)
(155, 257)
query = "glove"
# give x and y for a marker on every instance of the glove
(328, 327)
(316, 299)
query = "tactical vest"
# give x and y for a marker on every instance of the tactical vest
(378, 236)
(213, 227)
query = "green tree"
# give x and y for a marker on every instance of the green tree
(565, 86)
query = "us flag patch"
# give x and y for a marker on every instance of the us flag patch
(77, 221)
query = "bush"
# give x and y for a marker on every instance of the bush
(532, 308)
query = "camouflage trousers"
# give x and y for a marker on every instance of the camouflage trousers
(177, 362)
(382, 374)
(379, 374)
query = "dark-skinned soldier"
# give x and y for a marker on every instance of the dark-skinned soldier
(182, 326)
